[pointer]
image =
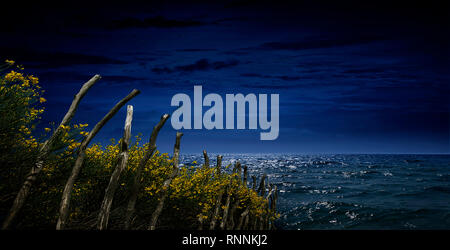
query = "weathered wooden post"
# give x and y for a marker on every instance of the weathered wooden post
(200, 221)
(255, 222)
(44, 151)
(262, 186)
(227, 206)
(165, 188)
(265, 220)
(219, 164)
(273, 204)
(246, 221)
(219, 197)
(245, 175)
(103, 217)
(254, 182)
(216, 210)
(67, 193)
(206, 165)
(205, 156)
(236, 201)
(261, 191)
(275, 198)
(238, 170)
(249, 218)
(137, 177)
(244, 215)
(224, 222)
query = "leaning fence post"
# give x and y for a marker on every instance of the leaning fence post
(262, 187)
(244, 215)
(65, 201)
(245, 175)
(224, 221)
(44, 151)
(238, 170)
(252, 219)
(216, 210)
(103, 217)
(242, 218)
(265, 221)
(273, 204)
(205, 155)
(236, 202)
(219, 164)
(137, 177)
(166, 184)
(246, 220)
(227, 206)
(206, 165)
(218, 204)
(261, 191)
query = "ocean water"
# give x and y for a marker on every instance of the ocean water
(354, 191)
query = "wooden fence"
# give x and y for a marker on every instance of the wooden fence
(224, 215)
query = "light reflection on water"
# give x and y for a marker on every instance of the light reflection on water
(354, 191)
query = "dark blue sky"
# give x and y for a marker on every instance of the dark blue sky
(352, 78)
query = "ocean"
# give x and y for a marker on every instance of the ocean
(363, 191)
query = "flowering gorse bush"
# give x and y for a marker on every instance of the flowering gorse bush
(192, 193)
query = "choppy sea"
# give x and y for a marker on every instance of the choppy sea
(366, 191)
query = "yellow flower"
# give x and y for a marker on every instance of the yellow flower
(10, 62)
(47, 129)
(12, 76)
(42, 100)
(33, 79)
(84, 133)
(25, 84)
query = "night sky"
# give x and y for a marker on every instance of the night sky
(352, 78)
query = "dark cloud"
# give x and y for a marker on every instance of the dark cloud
(321, 43)
(266, 86)
(237, 52)
(195, 50)
(65, 76)
(284, 78)
(56, 77)
(158, 22)
(366, 71)
(118, 78)
(200, 65)
(288, 78)
(42, 59)
(253, 75)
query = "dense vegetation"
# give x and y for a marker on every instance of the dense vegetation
(192, 193)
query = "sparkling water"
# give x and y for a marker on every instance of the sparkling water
(366, 191)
